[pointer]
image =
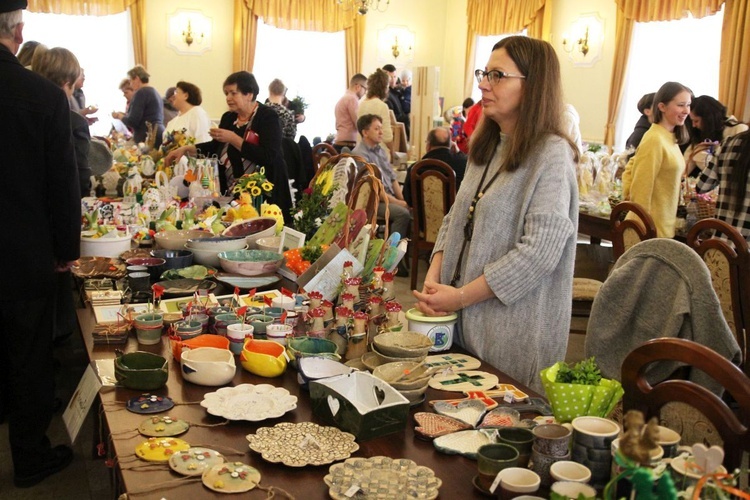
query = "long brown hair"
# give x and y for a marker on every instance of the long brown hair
(541, 108)
(665, 95)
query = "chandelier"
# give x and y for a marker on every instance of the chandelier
(364, 6)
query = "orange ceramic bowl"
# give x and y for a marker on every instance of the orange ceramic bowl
(206, 340)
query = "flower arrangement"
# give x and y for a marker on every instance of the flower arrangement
(298, 105)
(313, 208)
(256, 185)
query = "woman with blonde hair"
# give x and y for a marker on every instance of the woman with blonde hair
(504, 256)
(374, 103)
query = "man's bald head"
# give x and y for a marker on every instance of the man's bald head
(439, 137)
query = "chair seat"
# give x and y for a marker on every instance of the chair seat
(585, 289)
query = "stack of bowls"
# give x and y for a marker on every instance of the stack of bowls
(206, 250)
(401, 346)
(252, 229)
(250, 262)
(175, 240)
(411, 385)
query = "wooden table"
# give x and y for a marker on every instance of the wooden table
(596, 227)
(456, 472)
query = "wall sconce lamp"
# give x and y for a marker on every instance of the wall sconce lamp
(189, 37)
(582, 43)
(396, 50)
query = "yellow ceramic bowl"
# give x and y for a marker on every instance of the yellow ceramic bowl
(263, 357)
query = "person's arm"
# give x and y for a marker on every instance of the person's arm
(61, 179)
(134, 116)
(82, 141)
(645, 167)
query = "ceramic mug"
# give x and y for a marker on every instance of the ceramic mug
(188, 329)
(669, 440)
(224, 320)
(278, 332)
(491, 459)
(237, 333)
(148, 328)
(565, 470)
(519, 438)
(574, 491)
(139, 281)
(260, 322)
(541, 464)
(515, 481)
(552, 439)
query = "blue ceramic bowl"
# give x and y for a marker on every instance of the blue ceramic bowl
(175, 259)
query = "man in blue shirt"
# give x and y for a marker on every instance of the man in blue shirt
(370, 128)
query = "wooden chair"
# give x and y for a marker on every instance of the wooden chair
(321, 154)
(628, 232)
(433, 191)
(730, 274)
(696, 413)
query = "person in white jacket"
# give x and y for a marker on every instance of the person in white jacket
(192, 117)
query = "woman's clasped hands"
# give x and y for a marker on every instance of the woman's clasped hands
(436, 299)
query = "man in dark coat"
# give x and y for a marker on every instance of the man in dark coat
(439, 148)
(43, 199)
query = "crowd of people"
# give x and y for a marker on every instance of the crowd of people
(505, 253)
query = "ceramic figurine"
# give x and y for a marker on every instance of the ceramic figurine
(389, 290)
(393, 309)
(352, 287)
(377, 277)
(340, 333)
(316, 322)
(315, 299)
(347, 300)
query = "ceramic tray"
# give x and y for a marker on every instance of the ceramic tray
(196, 272)
(461, 381)
(432, 425)
(99, 267)
(234, 477)
(458, 361)
(469, 412)
(501, 417)
(185, 287)
(164, 426)
(382, 478)
(305, 443)
(249, 402)
(195, 461)
(466, 443)
(149, 403)
(160, 449)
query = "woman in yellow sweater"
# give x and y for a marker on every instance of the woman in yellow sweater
(652, 176)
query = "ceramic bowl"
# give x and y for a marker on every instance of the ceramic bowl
(205, 257)
(269, 243)
(175, 259)
(218, 243)
(187, 330)
(316, 368)
(300, 347)
(371, 360)
(154, 265)
(263, 357)
(250, 262)
(390, 371)
(392, 359)
(179, 346)
(175, 240)
(414, 395)
(142, 371)
(403, 344)
(208, 366)
(252, 229)
(259, 322)
(103, 247)
(567, 470)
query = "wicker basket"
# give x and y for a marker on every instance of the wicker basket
(706, 209)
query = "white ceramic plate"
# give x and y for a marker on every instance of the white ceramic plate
(194, 461)
(305, 443)
(249, 402)
(247, 282)
(466, 443)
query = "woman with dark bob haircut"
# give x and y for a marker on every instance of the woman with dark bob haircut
(191, 117)
(248, 138)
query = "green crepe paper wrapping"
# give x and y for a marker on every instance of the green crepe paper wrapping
(569, 401)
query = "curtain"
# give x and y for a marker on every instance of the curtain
(245, 37)
(80, 8)
(490, 17)
(632, 11)
(354, 37)
(138, 26)
(305, 15)
(734, 65)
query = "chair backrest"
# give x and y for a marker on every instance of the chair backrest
(729, 265)
(321, 154)
(628, 232)
(433, 191)
(368, 190)
(650, 399)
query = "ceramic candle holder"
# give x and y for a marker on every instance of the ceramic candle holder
(515, 481)
(491, 459)
(237, 333)
(148, 328)
(278, 332)
(551, 439)
(519, 438)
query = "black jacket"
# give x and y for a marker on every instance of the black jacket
(41, 195)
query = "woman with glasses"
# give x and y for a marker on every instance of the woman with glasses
(505, 252)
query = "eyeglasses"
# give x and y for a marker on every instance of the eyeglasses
(494, 76)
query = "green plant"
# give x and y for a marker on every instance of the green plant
(584, 372)
(313, 208)
(298, 105)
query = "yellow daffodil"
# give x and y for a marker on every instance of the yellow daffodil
(325, 180)
(255, 191)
